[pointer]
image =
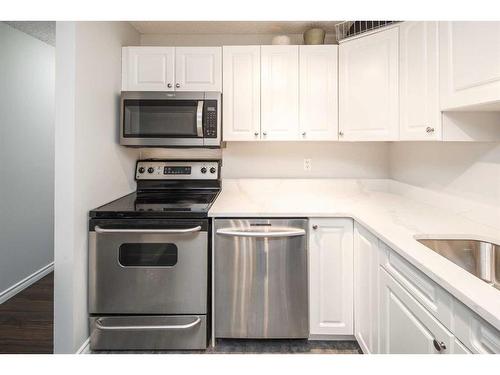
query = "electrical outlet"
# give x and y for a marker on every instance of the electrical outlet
(308, 165)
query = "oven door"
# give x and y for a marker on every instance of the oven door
(162, 119)
(154, 269)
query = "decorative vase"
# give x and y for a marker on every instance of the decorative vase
(281, 39)
(314, 36)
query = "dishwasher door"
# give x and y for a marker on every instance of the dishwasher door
(261, 278)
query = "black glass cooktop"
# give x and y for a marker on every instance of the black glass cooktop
(159, 204)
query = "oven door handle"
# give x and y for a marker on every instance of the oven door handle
(99, 324)
(199, 119)
(98, 229)
(292, 232)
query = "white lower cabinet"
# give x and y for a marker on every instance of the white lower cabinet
(359, 286)
(406, 327)
(331, 276)
(478, 335)
(366, 269)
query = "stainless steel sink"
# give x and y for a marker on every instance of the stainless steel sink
(482, 259)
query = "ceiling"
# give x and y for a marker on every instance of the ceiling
(230, 27)
(41, 30)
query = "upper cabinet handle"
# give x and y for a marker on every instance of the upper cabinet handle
(177, 85)
(429, 129)
(341, 133)
(169, 85)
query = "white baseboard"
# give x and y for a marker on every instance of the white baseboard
(332, 338)
(85, 348)
(26, 282)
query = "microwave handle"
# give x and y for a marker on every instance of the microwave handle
(199, 119)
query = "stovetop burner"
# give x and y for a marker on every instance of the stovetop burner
(164, 192)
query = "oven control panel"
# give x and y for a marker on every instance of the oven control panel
(177, 170)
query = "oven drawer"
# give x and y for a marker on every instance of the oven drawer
(148, 271)
(185, 332)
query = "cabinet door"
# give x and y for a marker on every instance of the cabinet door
(406, 327)
(318, 96)
(198, 68)
(280, 93)
(241, 90)
(459, 348)
(366, 306)
(331, 277)
(478, 335)
(147, 68)
(420, 116)
(368, 87)
(469, 64)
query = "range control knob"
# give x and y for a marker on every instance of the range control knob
(151, 170)
(142, 170)
(203, 170)
(212, 170)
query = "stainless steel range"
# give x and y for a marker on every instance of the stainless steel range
(149, 260)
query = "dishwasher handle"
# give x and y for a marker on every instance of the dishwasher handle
(289, 232)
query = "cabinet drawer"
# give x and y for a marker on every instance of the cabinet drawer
(136, 332)
(478, 335)
(435, 299)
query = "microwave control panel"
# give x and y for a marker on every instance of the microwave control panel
(210, 121)
(177, 170)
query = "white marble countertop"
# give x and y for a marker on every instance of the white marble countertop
(394, 212)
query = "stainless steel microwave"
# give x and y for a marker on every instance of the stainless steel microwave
(173, 119)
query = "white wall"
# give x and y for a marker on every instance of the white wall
(219, 39)
(469, 170)
(27, 156)
(286, 160)
(91, 167)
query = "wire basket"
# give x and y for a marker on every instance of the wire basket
(348, 29)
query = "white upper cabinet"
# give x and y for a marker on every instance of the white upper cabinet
(148, 68)
(420, 115)
(366, 308)
(331, 276)
(368, 87)
(470, 65)
(280, 92)
(241, 90)
(318, 94)
(171, 68)
(198, 68)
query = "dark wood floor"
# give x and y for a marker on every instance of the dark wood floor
(236, 346)
(27, 319)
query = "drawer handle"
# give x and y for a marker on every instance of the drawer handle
(98, 229)
(439, 345)
(99, 324)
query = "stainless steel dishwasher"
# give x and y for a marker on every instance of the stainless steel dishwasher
(261, 278)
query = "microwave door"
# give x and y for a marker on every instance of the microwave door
(152, 122)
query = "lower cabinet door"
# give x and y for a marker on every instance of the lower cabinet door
(459, 348)
(406, 327)
(366, 268)
(331, 276)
